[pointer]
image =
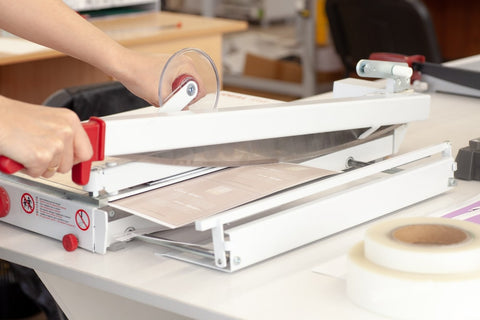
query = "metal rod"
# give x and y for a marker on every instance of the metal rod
(181, 246)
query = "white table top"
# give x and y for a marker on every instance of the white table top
(284, 287)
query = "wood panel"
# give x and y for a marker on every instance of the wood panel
(457, 24)
(34, 81)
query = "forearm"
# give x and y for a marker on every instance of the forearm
(53, 24)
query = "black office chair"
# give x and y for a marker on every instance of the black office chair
(24, 296)
(360, 27)
(98, 100)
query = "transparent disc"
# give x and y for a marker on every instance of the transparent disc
(195, 66)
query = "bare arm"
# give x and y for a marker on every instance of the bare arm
(45, 140)
(53, 24)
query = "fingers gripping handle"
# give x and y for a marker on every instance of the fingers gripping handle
(95, 129)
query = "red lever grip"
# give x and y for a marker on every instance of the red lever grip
(395, 57)
(9, 166)
(95, 129)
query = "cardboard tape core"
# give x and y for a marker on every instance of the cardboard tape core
(424, 245)
(430, 234)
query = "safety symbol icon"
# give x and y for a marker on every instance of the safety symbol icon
(28, 204)
(82, 219)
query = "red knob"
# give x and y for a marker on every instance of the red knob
(4, 203)
(70, 242)
(181, 80)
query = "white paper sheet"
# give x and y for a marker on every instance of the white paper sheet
(184, 202)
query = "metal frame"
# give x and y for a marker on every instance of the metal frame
(305, 214)
(264, 228)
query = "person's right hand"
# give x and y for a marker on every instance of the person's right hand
(43, 139)
(140, 73)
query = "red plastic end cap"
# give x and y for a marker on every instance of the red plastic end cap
(4, 203)
(70, 242)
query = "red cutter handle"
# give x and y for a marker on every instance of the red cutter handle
(9, 166)
(95, 129)
(395, 57)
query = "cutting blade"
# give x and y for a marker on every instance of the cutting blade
(293, 149)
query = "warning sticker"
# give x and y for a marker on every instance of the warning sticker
(54, 211)
(82, 219)
(28, 204)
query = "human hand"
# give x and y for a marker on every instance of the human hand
(42, 139)
(141, 75)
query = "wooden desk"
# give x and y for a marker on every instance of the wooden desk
(32, 77)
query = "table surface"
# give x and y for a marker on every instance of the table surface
(142, 28)
(284, 287)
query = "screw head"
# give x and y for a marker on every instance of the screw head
(237, 260)
(452, 182)
(191, 90)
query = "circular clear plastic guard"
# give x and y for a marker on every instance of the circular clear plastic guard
(189, 81)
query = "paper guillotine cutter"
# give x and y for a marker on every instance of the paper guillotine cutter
(255, 231)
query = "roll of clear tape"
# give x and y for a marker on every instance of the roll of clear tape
(414, 295)
(424, 245)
